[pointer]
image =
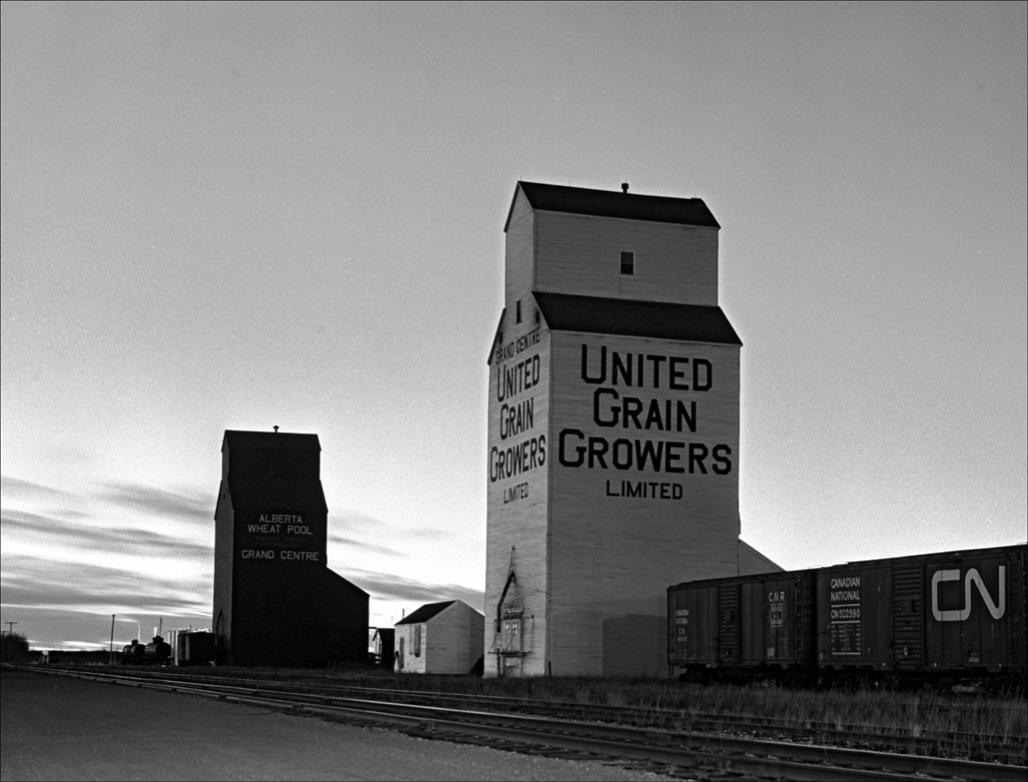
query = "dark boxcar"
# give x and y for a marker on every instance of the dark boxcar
(975, 615)
(777, 611)
(947, 614)
(693, 615)
(723, 628)
(855, 615)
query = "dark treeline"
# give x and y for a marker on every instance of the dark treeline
(14, 648)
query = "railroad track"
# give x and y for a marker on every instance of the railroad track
(964, 746)
(686, 753)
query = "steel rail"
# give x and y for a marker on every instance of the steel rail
(975, 746)
(759, 757)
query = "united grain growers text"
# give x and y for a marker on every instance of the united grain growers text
(519, 450)
(622, 400)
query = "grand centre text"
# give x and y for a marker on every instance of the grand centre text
(281, 536)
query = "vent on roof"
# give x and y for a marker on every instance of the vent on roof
(624, 187)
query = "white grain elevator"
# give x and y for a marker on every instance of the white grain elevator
(613, 445)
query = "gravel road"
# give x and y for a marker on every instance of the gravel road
(56, 728)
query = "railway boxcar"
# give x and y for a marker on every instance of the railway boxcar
(743, 627)
(957, 616)
(950, 616)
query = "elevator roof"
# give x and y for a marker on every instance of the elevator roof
(609, 203)
(658, 320)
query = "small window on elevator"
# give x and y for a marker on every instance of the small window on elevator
(517, 311)
(627, 263)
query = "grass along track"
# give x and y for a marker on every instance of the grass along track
(872, 721)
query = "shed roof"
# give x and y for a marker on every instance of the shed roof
(334, 585)
(426, 612)
(625, 317)
(610, 203)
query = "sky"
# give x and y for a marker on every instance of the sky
(245, 215)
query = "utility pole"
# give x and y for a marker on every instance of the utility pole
(10, 643)
(111, 660)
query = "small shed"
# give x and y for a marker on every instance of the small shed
(383, 645)
(445, 637)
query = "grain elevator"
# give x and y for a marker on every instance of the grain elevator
(276, 602)
(613, 431)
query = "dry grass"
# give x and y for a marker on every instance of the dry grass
(925, 713)
(909, 713)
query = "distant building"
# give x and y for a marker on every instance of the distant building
(613, 432)
(383, 645)
(444, 637)
(276, 602)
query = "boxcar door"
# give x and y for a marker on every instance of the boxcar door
(908, 617)
(729, 624)
(693, 614)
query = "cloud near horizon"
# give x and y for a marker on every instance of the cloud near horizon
(69, 567)
(16, 487)
(185, 505)
(389, 587)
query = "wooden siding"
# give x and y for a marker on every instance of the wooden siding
(519, 250)
(593, 569)
(517, 509)
(408, 662)
(581, 254)
(451, 641)
(612, 557)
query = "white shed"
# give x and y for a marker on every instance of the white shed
(446, 637)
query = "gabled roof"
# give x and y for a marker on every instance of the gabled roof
(426, 612)
(628, 318)
(496, 337)
(609, 203)
(244, 439)
(280, 488)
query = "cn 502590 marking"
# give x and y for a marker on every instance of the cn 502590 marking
(956, 616)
